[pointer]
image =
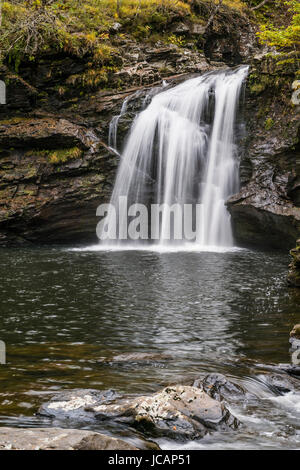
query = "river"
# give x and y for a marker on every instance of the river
(65, 311)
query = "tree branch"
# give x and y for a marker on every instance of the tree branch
(261, 4)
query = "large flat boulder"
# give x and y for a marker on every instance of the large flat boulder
(58, 439)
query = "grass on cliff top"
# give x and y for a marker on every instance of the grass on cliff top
(78, 27)
(81, 27)
(85, 27)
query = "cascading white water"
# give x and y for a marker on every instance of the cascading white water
(181, 150)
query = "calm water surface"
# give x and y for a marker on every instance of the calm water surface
(63, 312)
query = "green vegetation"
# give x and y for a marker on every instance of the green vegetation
(285, 36)
(79, 27)
(58, 156)
(92, 28)
(269, 124)
(85, 27)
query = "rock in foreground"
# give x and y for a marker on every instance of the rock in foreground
(58, 439)
(179, 412)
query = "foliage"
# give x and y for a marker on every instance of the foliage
(269, 124)
(175, 39)
(78, 27)
(61, 155)
(236, 4)
(86, 27)
(31, 28)
(287, 37)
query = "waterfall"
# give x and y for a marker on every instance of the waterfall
(181, 153)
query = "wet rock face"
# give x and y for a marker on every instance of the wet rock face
(180, 412)
(266, 211)
(51, 195)
(233, 47)
(58, 439)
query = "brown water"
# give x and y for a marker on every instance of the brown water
(64, 311)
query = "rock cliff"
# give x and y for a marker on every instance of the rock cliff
(266, 211)
(55, 163)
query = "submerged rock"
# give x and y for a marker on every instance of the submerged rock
(76, 404)
(137, 359)
(219, 387)
(290, 369)
(279, 383)
(58, 439)
(180, 412)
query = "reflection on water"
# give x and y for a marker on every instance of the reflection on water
(63, 312)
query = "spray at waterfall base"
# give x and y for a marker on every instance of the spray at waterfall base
(158, 222)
